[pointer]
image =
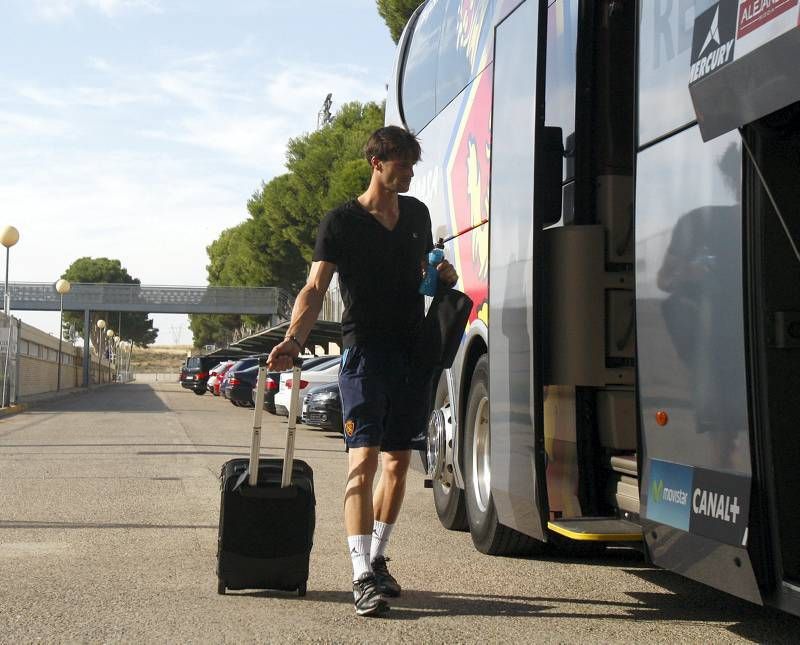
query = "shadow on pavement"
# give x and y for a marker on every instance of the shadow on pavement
(613, 556)
(762, 624)
(24, 524)
(278, 450)
(121, 445)
(234, 450)
(749, 621)
(130, 397)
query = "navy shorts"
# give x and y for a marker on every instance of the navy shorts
(384, 403)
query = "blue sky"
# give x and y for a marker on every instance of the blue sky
(137, 129)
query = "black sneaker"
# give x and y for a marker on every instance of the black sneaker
(367, 596)
(386, 582)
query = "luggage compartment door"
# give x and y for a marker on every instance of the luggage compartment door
(515, 380)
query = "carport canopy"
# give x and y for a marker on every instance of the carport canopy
(323, 333)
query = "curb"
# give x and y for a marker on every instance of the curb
(11, 410)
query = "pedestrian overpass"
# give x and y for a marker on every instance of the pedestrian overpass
(89, 297)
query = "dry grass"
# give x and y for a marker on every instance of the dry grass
(160, 358)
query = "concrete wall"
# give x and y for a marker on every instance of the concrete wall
(38, 364)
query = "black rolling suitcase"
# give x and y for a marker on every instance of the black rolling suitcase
(267, 514)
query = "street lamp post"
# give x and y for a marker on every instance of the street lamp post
(101, 325)
(9, 236)
(117, 350)
(110, 337)
(63, 287)
(128, 359)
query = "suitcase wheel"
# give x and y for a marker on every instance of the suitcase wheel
(301, 590)
(220, 586)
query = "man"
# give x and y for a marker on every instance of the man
(377, 243)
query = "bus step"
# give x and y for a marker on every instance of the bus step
(597, 529)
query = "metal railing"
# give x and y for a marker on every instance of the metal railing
(332, 306)
(42, 296)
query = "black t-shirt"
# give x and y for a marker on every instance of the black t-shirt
(379, 270)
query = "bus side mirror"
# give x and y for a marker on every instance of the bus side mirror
(551, 182)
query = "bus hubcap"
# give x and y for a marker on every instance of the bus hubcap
(481, 456)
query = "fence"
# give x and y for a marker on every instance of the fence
(156, 377)
(9, 336)
(332, 305)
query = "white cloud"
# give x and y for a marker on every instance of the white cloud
(17, 124)
(55, 10)
(99, 64)
(87, 96)
(154, 213)
(253, 124)
(301, 88)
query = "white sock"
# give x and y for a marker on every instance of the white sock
(359, 553)
(380, 538)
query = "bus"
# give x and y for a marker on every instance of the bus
(630, 369)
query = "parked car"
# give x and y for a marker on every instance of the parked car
(238, 366)
(270, 389)
(194, 376)
(274, 378)
(215, 376)
(240, 386)
(326, 372)
(216, 390)
(322, 407)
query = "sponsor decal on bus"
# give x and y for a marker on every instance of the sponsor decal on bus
(669, 490)
(720, 506)
(700, 501)
(755, 13)
(713, 39)
(467, 178)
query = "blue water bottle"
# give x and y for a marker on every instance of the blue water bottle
(431, 279)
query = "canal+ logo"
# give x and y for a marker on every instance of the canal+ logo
(713, 39)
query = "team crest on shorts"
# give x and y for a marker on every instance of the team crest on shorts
(349, 427)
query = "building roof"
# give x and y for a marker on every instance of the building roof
(323, 332)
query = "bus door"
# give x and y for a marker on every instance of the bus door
(515, 265)
(697, 480)
(750, 92)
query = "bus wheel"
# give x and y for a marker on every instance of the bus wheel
(448, 498)
(488, 535)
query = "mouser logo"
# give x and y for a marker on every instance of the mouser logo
(713, 39)
(671, 495)
(715, 505)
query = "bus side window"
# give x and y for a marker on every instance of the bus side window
(418, 93)
(465, 28)
(562, 42)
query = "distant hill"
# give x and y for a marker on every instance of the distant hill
(159, 358)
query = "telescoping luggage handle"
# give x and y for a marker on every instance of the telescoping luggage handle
(255, 448)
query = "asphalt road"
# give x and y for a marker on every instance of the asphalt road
(109, 506)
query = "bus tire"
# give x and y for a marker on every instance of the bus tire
(488, 535)
(449, 500)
